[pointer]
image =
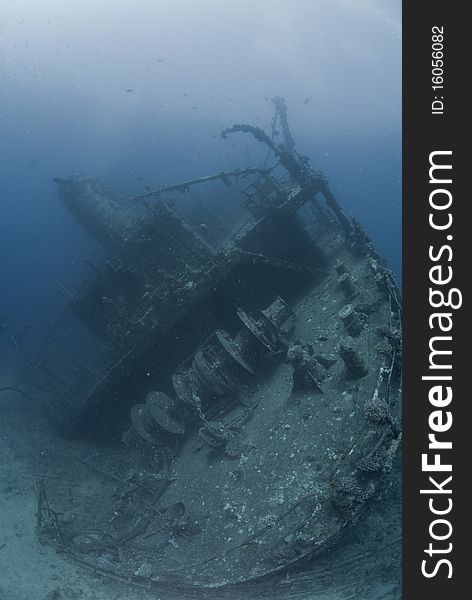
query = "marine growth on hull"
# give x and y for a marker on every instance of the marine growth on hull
(243, 368)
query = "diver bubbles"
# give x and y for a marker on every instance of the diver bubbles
(393, 26)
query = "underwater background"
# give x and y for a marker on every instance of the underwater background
(136, 93)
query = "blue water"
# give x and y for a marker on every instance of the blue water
(136, 93)
(193, 69)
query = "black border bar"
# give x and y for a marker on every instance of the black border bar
(423, 134)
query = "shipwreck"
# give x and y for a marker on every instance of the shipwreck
(247, 379)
